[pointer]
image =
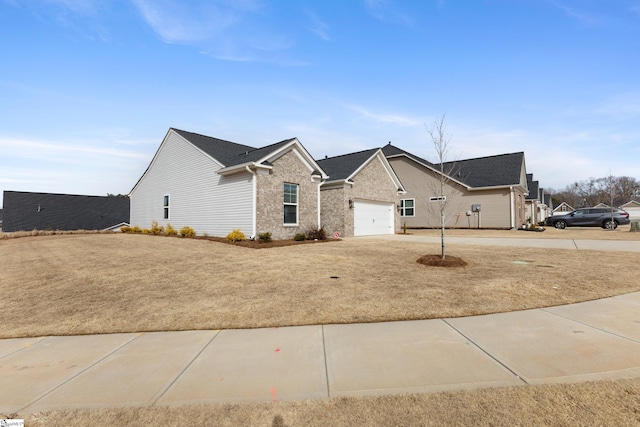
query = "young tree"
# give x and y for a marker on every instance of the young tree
(440, 140)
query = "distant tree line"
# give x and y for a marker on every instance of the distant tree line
(612, 190)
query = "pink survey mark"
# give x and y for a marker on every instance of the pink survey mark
(274, 396)
(277, 350)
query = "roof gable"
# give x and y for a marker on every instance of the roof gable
(347, 166)
(491, 171)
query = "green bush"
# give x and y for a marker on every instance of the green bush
(170, 231)
(187, 231)
(264, 237)
(235, 236)
(319, 234)
(299, 237)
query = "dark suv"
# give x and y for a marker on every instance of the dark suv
(590, 217)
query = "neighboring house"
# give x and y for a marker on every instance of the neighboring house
(532, 200)
(25, 211)
(548, 205)
(216, 186)
(633, 207)
(537, 202)
(1, 215)
(602, 205)
(361, 195)
(486, 192)
(562, 209)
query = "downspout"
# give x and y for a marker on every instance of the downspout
(319, 204)
(254, 180)
(511, 210)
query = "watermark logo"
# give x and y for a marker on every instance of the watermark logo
(12, 423)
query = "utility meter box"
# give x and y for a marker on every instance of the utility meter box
(475, 208)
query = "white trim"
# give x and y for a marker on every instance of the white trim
(404, 208)
(296, 204)
(254, 202)
(166, 207)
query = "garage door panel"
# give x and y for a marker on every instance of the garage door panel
(371, 218)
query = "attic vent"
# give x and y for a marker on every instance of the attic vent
(246, 153)
(326, 157)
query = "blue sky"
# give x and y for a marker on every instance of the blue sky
(89, 88)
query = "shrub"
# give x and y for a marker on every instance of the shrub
(299, 237)
(319, 234)
(170, 231)
(187, 231)
(156, 229)
(235, 236)
(146, 231)
(136, 229)
(264, 237)
(125, 229)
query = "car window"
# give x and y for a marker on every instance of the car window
(579, 213)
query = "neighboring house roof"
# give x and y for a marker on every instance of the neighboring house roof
(547, 200)
(631, 204)
(1, 215)
(344, 168)
(563, 204)
(24, 211)
(602, 205)
(534, 190)
(492, 171)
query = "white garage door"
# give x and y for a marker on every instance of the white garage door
(372, 218)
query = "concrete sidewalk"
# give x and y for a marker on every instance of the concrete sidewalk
(586, 341)
(595, 245)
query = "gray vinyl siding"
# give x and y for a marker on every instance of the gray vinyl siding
(198, 196)
(421, 183)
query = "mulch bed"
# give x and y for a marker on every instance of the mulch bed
(437, 261)
(256, 244)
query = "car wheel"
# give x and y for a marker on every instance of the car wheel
(561, 225)
(610, 225)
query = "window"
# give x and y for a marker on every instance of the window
(407, 207)
(290, 204)
(166, 206)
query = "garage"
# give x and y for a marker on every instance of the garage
(371, 218)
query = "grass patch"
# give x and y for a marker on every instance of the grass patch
(90, 283)
(605, 403)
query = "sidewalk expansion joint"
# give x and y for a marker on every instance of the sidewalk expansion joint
(498, 361)
(71, 378)
(170, 384)
(326, 368)
(22, 348)
(597, 328)
(575, 244)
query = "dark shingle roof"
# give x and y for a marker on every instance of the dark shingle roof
(24, 211)
(534, 190)
(342, 167)
(226, 152)
(391, 151)
(491, 171)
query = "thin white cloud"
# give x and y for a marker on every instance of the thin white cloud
(187, 22)
(319, 27)
(621, 107)
(385, 118)
(61, 152)
(387, 11)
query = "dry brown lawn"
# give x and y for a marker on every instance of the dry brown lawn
(604, 403)
(82, 284)
(74, 284)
